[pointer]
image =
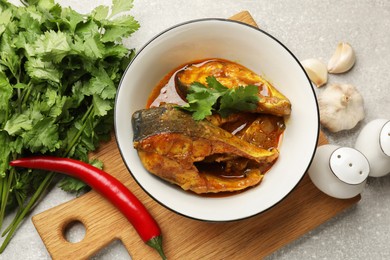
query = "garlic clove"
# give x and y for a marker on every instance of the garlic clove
(341, 107)
(316, 70)
(343, 59)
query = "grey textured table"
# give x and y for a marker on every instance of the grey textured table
(310, 29)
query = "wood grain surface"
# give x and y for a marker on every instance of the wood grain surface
(253, 238)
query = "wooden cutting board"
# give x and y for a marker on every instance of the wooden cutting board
(254, 238)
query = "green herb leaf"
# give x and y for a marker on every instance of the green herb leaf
(201, 100)
(17, 124)
(5, 92)
(100, 12)
(4, 153)
(239, 99)
(101, 106)
(51, 46)
(71, 18)
(70, 184)
(120, 27)
(213, 83)
(101, 84)
(88, 29)
(120, 6)
(42, 70)
(42, 137)
(204, 100)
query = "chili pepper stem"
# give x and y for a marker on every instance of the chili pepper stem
(156, 243)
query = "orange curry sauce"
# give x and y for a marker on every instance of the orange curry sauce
(272, 127)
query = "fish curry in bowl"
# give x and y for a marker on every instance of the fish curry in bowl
(223, 152)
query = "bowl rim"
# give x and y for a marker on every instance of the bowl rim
(156, 36)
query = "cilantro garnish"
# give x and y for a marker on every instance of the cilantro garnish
(205, 100)
(59, 72)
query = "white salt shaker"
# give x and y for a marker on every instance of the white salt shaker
(374, 142)
(340, 172)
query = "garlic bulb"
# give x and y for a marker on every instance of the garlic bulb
(316, 70)
(341, 107)
(343, 59)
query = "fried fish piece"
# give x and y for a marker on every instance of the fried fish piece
(172, 145)
(231, 75)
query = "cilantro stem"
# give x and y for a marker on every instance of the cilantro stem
(19, 101)
(25, 96)
(19, 199)
(20, 209)
(13, 221)
(81, 130)
(19, 218)
(6, 117)
(2, 191)
(6, 186)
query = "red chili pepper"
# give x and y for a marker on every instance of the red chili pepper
(108, 186)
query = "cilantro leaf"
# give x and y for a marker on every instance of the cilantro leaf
(5, 17)
(4, 153)
(101, 106)
(8, 55)
(213, 83)
(93, 47)
(239, 99)
(71, 18)
(5, 92)
(17, 124)
(42, 70)
(27, 22)
(100, 12)
(25, 39)
(201, 100)
(120, 27)
(87, 30)
(119, 6)
(42, 137)
(70, 184)
(101, 84)
(204, 100)
(45, 4)
(51, 46)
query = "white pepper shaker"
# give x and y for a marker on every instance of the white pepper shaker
(340, 172)
(374, 142)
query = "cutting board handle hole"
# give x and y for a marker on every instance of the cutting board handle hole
(74, 231)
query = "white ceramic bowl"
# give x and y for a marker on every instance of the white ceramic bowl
(258, 51)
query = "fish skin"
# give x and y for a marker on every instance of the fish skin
(169, 141)
(165, 119)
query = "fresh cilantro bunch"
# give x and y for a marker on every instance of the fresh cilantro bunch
(59, 71)
(205, 100)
